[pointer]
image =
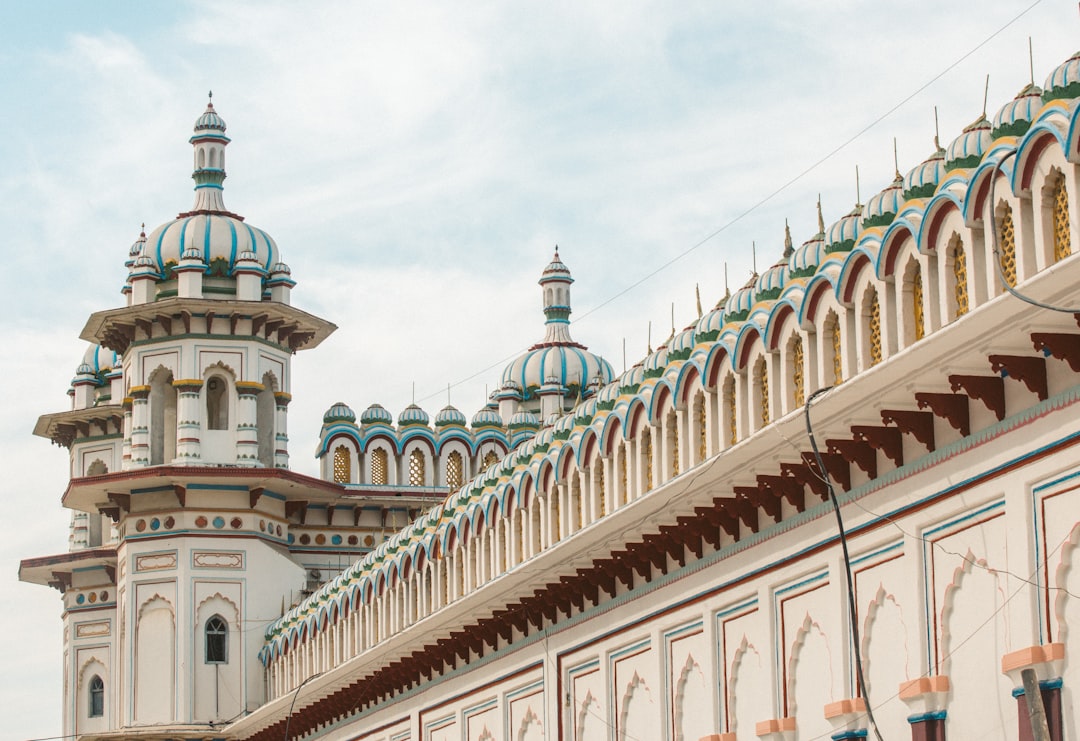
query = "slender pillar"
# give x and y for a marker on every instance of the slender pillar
(140, 426)
(188, 420)
(926, 698)
(281, 430)
(247, 437)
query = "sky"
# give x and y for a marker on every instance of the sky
(417, 164)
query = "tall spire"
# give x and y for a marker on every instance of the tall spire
(209, 141)
(820, 218)
(556, 281)
(789, 248)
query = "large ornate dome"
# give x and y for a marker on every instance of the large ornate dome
(209, 231)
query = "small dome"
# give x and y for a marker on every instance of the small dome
(738, 305)
(84, 369)
(680, 345)
(486, 418)
(922, 181)
(100, 359)
(376, 414)
(450, 415)
(841, 236)
(633, 377)
(556, 269)
(280, 268)
(552, 419)
(248, 256)
(884, 206)
(138, 245)
(210, 120)
(1015, 117)
(340, 412)
(807, 257)
(708, 326)
(1064, 81)
(412, 415)
(219, 236)
(143, 261)
(656, 362)
(966, 150)
(192, 253)
(524, 420)
(609, 394)
(770, 284)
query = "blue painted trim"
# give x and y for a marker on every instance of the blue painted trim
(213, 487)
(1044, 685)
(860, 733)
(924, 717)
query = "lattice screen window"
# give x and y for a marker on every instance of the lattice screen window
(416, 468)
(729, 399)
(490, 459)
(762, 373)
(960, 286)
(837, 350)
(1007, 246)
(622, 467)
(875, 329)
(673, 424)
(703, 430)
(455, 470)
(646, 445)
(918, 322)
(1062, 235)
(798, 361)
(342, 465)
(379, 467)
(600, 498)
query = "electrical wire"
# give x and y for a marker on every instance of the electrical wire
(758, 204)
(296, 693)
(853, 612)
(997, 249)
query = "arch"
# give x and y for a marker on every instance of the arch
(163, 405)
(417, 467)
(379, 467)
(215, 640)
(455, 470)
(95, 697)
(342, 465)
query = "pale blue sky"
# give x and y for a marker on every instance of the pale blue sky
(417, 164)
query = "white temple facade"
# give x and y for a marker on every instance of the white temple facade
(652, 555)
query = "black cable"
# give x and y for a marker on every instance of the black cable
(997, 251)
(853, 614)
(296, 693)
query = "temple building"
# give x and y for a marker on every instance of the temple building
(651, 555)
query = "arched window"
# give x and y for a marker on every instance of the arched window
(416, 468)
(832, 335)
(96, 697)
(732, 411)
(491, 458)
(217, 404)
(455, 470)
(646, 448)
(1062, 235)
(761, 371)
(703, 430)
(958, 258)
(673, 436)
(217, 640)
(342, 464)
(97, 468)
(379, 467)
(798, 377)
(918, 321)
(873, 320)
(1007, 246)
(600, 498)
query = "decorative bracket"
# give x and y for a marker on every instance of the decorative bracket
(918, 424)
(1059, 345)
(889, 440)
(859, 452)
(953, 408)
(990, 390)
(1031, 370)
(835, 465)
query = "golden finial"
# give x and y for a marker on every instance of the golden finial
(648, 340)
(937, 140)
(895, 158)
(820, 219)
(788, 246)
(697, 295)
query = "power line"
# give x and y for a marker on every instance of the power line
(758, 204)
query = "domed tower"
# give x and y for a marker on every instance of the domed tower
(189, 528)
(556, 362)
